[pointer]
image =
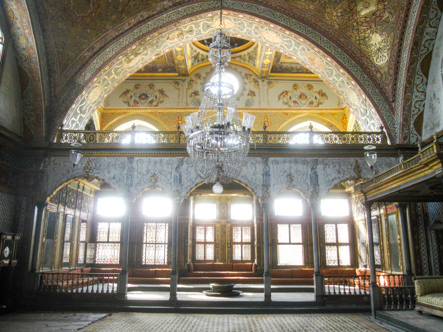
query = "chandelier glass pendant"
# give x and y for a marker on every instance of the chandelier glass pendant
(218, 142)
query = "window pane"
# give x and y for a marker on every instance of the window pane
(200, 252)
(236, 234)
(66, 252)
(210, 234)
(246, 252)
(241, 211)
(335, 207)
(296, 234)
(157, 207)
(331, 256)
(345, 255)
(114, 232)
(288, 207)
(68, 228)
(236, 252)
(108, 253)
(110, 206)
(148, 254)
(200, 234)
(343, 233)
(81, 253)
(394, 243)
(102, 231)
(161, 254)
(330, 235)
(209, 252)
(162, 233)
(149, 233)
(205, 211)
(246, 234)
(290, 254)
(283, 233)
(83, 231)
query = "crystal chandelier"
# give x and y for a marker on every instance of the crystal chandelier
(218, 142)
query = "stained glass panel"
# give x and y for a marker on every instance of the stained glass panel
(246, 234)
(209, 252)
(83, 232)
(107, 253)
(200, 234)
(330, 234)
(236, 252)
(81, 253)
(236, 234)
(209, 234)
(331, 256)
(102, 231)
(290, 254)
(283, 233)
(114, 231)
(343, 233)
(200, 252)
(246, 252)
(344, 255)
(296, 236)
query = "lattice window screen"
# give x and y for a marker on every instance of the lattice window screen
(7, 204)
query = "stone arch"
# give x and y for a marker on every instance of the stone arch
(144, 43)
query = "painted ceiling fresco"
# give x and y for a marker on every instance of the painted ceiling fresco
(80, 27)
(244, 53)
(78, 43)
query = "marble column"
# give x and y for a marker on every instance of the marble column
(375, 292)
(405, 243)
(267, 273)
(318, 282)
(122, 285)
(174, 246)
(33, 263)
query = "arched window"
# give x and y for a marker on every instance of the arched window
(141, 137)
(304, 128)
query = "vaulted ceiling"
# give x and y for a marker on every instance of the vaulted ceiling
(65, 48)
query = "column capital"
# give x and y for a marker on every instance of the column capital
(368, 205)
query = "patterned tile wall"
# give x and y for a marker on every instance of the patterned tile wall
(435, 213)
(7, 206)
(422, 237)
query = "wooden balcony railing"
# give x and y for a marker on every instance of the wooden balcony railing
(256, 137)
(76, 283)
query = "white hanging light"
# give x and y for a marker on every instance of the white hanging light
(218, 142)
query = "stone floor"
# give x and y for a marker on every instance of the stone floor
(411, 320)
(47, 321)
(236, 323)
(91, 322)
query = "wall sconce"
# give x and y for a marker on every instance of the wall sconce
(75, 156)
(371, 157)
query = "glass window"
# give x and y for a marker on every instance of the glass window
(394, 243)
(205, 211)
(110, 206)
(82, 243)
(335, 207)
(157, 207)
(376, 240)
(288, 207)
(67, 240)
(241, 243)
(108, 243)
(204, 243)
(155, 244)
(241, 211)
(290, 244)
(337, 249)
